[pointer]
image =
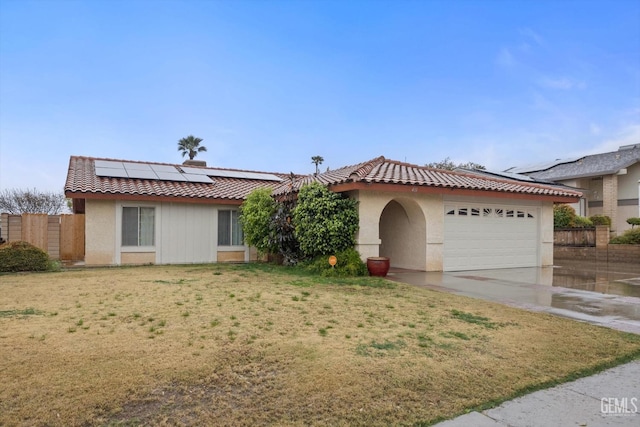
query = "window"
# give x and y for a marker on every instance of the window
(229, 229)
(138, 226)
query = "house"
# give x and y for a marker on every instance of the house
(422, 218)
(610, 182)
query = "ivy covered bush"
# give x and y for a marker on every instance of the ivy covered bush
(563, 216)
(325, 222)
(22, 256)
(255, 217)
(318, 224)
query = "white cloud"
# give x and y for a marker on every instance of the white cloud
(505, 58)
(594, 129)
(628, 135)
(562, 83)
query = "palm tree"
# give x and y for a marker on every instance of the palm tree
(318, 161)
(191, 145)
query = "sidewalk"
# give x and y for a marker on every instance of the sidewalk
(610, 398)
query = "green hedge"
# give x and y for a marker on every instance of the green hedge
(22, 256)
(600, 220)
(629, 237)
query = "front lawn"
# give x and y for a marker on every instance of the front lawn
(256, 344)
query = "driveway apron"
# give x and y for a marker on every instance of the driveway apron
(606, 295)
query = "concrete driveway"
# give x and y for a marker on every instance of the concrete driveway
(603, 294)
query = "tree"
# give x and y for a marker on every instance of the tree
(256, 214)
(447, 164)
(16, 201)
(317, 160)
(325, 222)
(191, 145)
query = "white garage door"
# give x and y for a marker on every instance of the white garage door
(478, 236)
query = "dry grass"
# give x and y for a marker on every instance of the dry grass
(249, 345)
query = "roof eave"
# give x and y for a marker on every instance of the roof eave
(422, 189)
(152, 198)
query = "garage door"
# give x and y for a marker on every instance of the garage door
(478, 236)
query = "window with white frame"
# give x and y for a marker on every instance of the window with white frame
(229, 228)
(138, 226)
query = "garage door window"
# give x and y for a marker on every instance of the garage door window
(488, 212)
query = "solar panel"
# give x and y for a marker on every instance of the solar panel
(222, 173)
(142, 174)
(136, 166)
(115, 169)
(164, 168)
(195, 171)
(197, 178)
(111, 172)
(171, 176)
(265, 176)
(108, 164)
(243, 175)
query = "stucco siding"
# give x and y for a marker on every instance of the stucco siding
(546, 234)
(420, 248)
(628, 183)
(100, 224)
(399, 234)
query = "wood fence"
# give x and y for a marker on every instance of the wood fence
(61, 236)
(574, 236)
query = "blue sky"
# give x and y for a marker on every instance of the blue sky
(269, 84)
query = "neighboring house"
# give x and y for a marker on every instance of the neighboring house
(610, 182)
(422, 218)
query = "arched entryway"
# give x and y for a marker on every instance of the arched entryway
(403, 234)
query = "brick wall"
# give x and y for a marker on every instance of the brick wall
(626, 254)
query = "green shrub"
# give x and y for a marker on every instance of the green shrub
(255, 216)
(629, 237)
(349, 264)
(325, 222)
(563, 216)
(22, 256)
(633, 221)
(600, 220)
(582, 222)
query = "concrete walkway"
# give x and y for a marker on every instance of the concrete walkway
(610, 398)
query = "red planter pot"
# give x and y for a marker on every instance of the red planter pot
(378, 266)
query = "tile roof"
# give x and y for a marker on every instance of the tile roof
(594, 165)
(381, 170)
(82, 181)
